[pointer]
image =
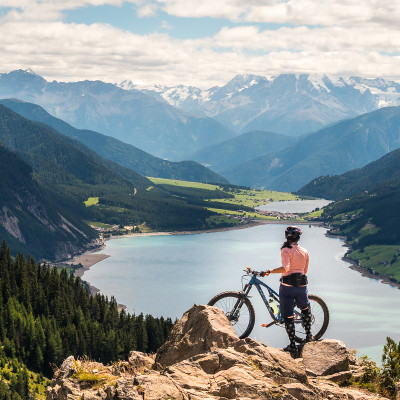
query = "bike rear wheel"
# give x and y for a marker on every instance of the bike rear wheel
(319, 319)
(238, 309)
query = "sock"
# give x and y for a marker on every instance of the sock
(289, 326)
(306, 314)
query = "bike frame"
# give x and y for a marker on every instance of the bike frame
(277, 319)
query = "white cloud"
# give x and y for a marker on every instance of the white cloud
(300, 12)
(336, 37)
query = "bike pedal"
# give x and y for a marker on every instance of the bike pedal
(268, 325)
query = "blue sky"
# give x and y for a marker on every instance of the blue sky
(202, 43)
(126, 17)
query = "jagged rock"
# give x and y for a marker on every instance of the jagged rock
(340, 377)
(201, 329)
(140, 362)
(203, 359)
(330, 390)
(326, 357)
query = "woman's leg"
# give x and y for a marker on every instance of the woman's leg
(304, 303)
(286, 300)
(306, 315)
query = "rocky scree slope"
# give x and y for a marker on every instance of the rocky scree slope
(203, 358)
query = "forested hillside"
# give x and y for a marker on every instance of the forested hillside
(339, 187)
(370, 221)
(112, 149)
(333, 150)
(378, 207)
(31, 219)
(71, 173)
(46, 315)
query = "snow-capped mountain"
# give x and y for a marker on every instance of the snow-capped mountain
(288, 103)
(133, 116)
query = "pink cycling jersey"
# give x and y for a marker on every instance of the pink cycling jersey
(294, 259)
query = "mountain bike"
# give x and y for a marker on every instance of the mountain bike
(240, 311)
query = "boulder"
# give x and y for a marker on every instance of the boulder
(201, 329)
(326, 357)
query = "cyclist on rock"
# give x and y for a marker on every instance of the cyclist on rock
(293, 286)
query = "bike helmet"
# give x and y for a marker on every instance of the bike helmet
(293, 233)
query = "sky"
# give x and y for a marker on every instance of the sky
(200, 43)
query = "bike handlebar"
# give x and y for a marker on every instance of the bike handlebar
(250, 271)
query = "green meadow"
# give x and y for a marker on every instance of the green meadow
(379, 259)
(228, 200)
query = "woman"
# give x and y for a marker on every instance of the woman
(293, 286)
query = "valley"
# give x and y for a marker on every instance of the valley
(164, 177)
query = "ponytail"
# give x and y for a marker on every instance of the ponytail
(289, 243)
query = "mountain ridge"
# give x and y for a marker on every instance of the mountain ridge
(226, 154)
(291, 104)
(126, 155)
(339, 187)
(130, 116)
(336, 149)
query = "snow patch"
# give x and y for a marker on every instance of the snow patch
(318, 82)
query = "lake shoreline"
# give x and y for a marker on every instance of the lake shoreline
(364, 272)
(91, 257)
(384, 279)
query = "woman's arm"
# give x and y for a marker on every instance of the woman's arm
(278, 270)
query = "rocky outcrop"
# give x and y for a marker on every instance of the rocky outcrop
(204, 359)
(200, 330)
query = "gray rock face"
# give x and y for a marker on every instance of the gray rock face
(204, 359)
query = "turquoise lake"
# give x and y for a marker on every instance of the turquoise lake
(166, 275)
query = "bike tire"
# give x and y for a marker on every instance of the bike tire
(319, 319)
(244, 323)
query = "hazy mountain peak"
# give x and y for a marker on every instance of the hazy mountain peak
(246, 80)
(31, 72)
(27, 74)
(292, 104)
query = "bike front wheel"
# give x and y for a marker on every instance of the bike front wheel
(319, 319)
(238, 309)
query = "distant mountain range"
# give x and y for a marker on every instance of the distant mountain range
(339, 187)
(289, 104)
(131, 116)
(114, 150)
(222, 156)
(286, 104)
(333, 150)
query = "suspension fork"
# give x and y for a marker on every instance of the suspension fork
(244, 293)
